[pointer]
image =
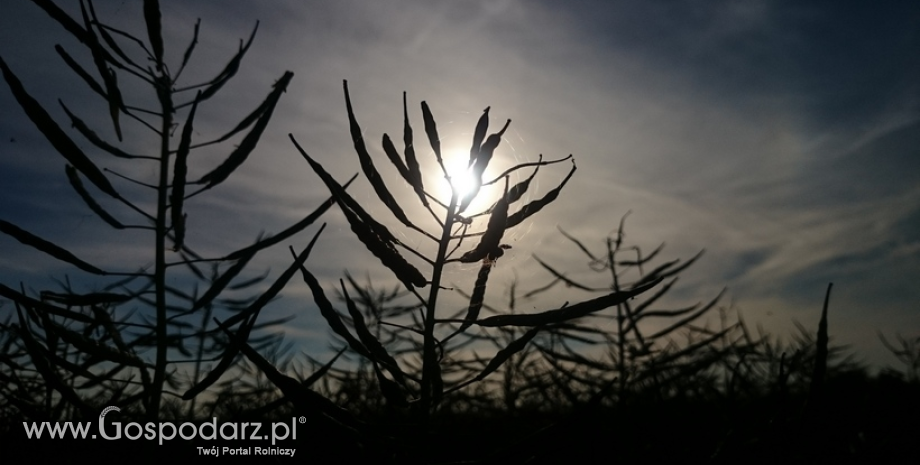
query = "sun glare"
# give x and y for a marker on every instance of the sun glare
(460, 176)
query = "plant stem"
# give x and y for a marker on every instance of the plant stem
(429, 359)
(165, 97)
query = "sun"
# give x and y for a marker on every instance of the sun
(461, 177)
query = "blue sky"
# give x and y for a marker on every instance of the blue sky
(781, 137)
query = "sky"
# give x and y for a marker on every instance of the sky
(783, 138)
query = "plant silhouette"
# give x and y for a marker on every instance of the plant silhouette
(69, 352)
(175, 337)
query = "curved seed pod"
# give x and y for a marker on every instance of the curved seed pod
(180, 172)
(488, 245)
(478, 297)
(568, 282)
(85, 300)
(663, 271)
(152, 17)
(95, 139)
(304, 399)
(188, 50)
(294, 229)
(384, 250)
(63, 18)
(61, 142)
(821, 352)
(683, 322)
(107, 38)
(37, 354)
(566, 313)
(503, 355)
(486, 151)
(483, 157)
(75, 182)
(245, 123)
(393, 155)
(391, 390)
(367, 164)
(375, 348)
(59, 253)
(22, 299)
(80, 71)
(533, 207)
(375, 236)
(230, 70)
(100, 57)
(226, 361)
(276, 286)
(247, 316)
(115, 101)
(481, 127)
(330, 314)
(431, 129)
(90, 346)
(238, 156)
(322, 370)
(415, 172)
(221, 282)
(518, 190)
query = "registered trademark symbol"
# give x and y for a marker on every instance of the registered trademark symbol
(303, 420)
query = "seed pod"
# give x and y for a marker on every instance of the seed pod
(107, 38)
(100, 57)
(276, 287)
(533, 207)
(189, 49)
(238, 156)
(478, 297)
(367, 165)
(481, 127)
(503, 355)
(222, 282)
(230, 70)
(375, 236)
(330, 314)
(375, 348)
(415, 172)
(294, 229)
(391, 390)
(95, 139)
(63, 18)
(50, 376)
(80, 71)
(393, 155)
(568, 282)
(486, 151)
(85, 300)
(489, 243)
(226, 361)
(180, 172)
(61, 142)
(566, 313)
(55, 251)
(75, 182)
(24, 300)
(431, 129)
(322, 370)
(152, 17)
(305, 400)
(479, 165)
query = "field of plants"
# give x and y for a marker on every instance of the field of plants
(612, 376)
